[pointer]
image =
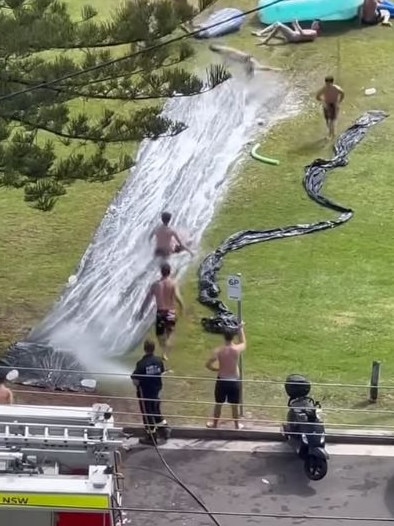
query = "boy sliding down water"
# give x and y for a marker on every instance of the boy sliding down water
(167, 239)
(166, 294)
(250, 64)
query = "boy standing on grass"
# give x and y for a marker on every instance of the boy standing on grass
(331, 96)
(228, 383)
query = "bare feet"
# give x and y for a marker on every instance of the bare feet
(212, 425)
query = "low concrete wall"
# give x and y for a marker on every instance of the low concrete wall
(334, 436)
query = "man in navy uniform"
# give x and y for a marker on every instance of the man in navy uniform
(147, 377)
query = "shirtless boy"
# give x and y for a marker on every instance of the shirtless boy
(228, 383)
(234, 55)
(331, 96)
(290, 35)
(166, 294)
(371, 14)
(6, 396)
(167, 239)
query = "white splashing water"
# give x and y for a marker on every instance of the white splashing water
(96, 318)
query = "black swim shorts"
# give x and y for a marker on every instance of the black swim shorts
(330, 112)
(163, 253)
(165, 322)
(227, 391)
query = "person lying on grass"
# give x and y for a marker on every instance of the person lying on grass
(290, 35)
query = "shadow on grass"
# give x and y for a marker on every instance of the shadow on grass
(312, 147)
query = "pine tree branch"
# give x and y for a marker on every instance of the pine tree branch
(24, 82)
(132, 74)
(126, 98)
(87, 138)
(80, 46)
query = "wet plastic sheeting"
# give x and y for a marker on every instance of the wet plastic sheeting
(49, 368)
(315, 176)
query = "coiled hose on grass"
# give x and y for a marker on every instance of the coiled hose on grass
(314, 178)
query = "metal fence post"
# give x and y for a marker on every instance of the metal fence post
(375, 378)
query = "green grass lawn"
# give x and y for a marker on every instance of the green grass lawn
(321, 305)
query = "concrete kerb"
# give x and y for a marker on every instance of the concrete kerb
(273, 434)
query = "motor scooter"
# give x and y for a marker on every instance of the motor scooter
(304, 428)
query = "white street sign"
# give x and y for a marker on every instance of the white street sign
(234, 288)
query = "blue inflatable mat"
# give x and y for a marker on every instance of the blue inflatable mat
(226, 27)
(389, 6)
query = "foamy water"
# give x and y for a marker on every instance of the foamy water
(96, 318)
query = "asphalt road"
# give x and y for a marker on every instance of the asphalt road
(231, 481)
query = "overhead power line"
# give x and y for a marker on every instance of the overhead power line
(169, 401)
(169, 376)
(49, 83)
(280, 516)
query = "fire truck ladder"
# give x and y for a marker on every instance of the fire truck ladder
(31, 435)
(46, 428)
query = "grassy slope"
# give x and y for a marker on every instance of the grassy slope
(322, 304)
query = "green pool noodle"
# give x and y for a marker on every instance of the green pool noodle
(259, 157)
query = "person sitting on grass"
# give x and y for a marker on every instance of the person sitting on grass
(289, 35)
(371, 13)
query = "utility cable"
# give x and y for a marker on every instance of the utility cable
(281, 516)
(176, 478)
(270, 423)
(175, 401)
(149, 49)
(211, 379)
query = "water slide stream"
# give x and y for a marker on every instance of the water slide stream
(95, 320)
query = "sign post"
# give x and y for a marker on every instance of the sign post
(234, 292)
